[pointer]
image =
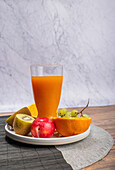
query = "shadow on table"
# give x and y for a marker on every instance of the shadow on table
(18, 144)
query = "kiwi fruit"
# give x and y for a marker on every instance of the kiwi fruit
(24, 110)
(22, 124)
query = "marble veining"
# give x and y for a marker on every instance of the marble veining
(79, 34)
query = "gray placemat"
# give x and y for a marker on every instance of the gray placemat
(88, 151)
(15, 155)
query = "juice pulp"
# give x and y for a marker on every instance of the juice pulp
(47, 92)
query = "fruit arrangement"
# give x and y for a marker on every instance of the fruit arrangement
(27, 120)
(72, 123)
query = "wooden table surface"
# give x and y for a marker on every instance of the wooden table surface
(104, 117)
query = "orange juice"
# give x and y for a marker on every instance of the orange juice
(47, 92)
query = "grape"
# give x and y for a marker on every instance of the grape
(62, 112)
(68, 115)
(85, 115)
(74, 113)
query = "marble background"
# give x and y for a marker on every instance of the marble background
(79, 34)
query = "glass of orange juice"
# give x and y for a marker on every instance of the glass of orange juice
(47, 84)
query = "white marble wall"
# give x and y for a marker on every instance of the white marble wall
(79, 34)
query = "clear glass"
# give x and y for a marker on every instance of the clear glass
(47, 85)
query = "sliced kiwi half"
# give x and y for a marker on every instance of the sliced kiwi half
(22, 124)
(24, 110)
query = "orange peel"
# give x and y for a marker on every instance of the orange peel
(71, 126)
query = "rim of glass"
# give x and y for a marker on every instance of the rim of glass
(46, 65)
(55, 65)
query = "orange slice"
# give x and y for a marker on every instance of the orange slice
(71, 126)
(33, 110)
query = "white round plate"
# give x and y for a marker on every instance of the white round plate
(46, 141)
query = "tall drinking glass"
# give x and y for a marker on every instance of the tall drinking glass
(47, 84)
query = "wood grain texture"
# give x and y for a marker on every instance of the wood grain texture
(104, 117)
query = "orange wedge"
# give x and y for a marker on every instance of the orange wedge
(33, 110)
(71, 126)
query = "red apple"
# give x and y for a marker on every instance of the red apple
(42, 127)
